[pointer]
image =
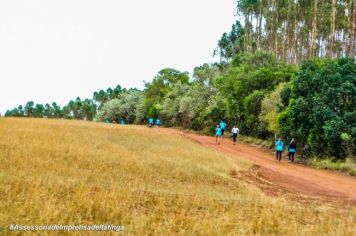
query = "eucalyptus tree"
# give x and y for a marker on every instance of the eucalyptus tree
(295, 30)
(29, 109)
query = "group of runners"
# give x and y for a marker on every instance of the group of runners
(292, 147)
(152, 122)
(219, 135)
(220, 130)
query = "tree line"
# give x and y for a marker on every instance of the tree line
(86, 109)
(293, 29)
(313, 103)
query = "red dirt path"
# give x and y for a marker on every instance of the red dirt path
(295, 178)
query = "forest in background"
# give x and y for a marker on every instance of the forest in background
(289, 70)
(293, 30)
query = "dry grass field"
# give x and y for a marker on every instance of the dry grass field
(149, 180)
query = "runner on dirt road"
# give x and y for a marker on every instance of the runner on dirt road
(218, 134)
(279, 149)
(158, 122)
(222, 127)
(150, 122)
(292, 148)
(235, 131)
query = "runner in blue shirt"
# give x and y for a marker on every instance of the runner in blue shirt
(218, 134)
(222, 127)
(158, 122)
(279, 149)
(150, 122)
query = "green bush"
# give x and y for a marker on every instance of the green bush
(348, 166)
(260, 142)
(321, 111)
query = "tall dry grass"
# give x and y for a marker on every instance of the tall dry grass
(151, 181)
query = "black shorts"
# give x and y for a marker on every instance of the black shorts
(222, 131)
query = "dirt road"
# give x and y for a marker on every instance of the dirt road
(284, 178)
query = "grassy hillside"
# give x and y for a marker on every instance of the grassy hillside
(151, 181)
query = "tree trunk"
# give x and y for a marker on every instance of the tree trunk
(284, 46)
(259, 33)
(352, 36)
(320, 53)
(295, 39)
(332, 29)
(312, 41)
(251, 32)
(276, 28)
(271, 22)
(286, 43)
(246, 37)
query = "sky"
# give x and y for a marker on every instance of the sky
(57, 50)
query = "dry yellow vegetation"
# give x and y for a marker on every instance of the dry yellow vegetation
(151, 181)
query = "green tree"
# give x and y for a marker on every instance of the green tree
(29, 109)
(100, 98)
(125, 107)
(230, 44)
(245, 82)
(160, 86)
(171, 106)
(322, 106)
(39, 110)
(271, 107)
(48, 111)
(88, 109)
(57, 112)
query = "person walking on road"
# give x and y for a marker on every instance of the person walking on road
(222, 127)
(150, 122)
(235, 131)
(279, 149)
(158, 122)
(218, 134)
(292, 148)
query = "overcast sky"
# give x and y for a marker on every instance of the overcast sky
(56, 50)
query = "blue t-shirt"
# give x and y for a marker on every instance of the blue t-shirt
(222, 125)
(218, 132)
(279, 145)
(158, 121)
(150, 120)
